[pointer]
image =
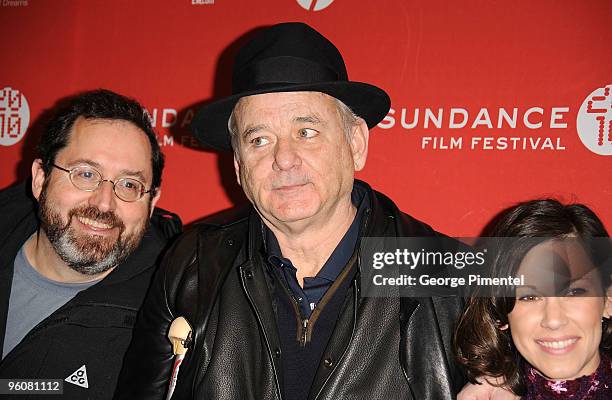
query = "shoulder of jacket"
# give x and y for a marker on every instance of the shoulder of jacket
(225, 219)
(17, 199)
(167, 223)
(18, 208)
(407, 224)
(224, 222)
(208, 237)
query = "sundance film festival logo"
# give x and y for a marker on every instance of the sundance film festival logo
(594, 121)
(314, 5)
(488, 129)
(14, 116)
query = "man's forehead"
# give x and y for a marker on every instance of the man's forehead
(82, 122)
(84, 130)
(109, 143)
(313, 102)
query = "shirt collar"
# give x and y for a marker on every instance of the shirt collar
(341, 254)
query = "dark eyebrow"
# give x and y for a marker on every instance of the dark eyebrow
(87, 161)
(130, 173)
(252, 129)
(311, 119)
(122, 174)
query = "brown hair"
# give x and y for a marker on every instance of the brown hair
(481, 347)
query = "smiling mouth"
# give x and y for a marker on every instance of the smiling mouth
(557, 344)
(93, 223)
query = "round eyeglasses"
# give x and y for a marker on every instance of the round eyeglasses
(87, 178)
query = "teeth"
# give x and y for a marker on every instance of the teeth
(93, 223)
(559, 344)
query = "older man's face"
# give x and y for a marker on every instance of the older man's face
(293, 159)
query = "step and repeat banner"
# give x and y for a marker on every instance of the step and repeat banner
(493, 102)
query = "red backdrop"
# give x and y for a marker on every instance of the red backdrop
(493, 102)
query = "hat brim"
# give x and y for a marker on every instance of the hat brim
(369, 102)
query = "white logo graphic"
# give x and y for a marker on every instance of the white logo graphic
(594, 122)
(14, 116)
(79, 377)
(314, 5)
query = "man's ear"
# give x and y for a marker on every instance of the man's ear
(360, 135)
(237, 169)
(38, 178)
(154, 200)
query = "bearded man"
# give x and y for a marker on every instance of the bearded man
(73, 279)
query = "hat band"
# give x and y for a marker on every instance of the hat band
(281, 71)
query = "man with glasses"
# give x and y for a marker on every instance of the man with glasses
(74, 270)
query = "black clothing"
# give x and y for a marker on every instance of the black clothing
(301, 355)
(215, 276)
(95, 327)
(315, 287)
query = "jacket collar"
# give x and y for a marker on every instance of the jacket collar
(376, 221)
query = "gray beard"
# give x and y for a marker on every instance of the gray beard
(86, 255)
(86, 263)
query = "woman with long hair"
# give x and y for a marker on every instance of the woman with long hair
(551, 337)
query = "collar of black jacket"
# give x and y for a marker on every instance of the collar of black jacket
(343, 251)
(379, 217)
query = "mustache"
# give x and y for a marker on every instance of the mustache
(106, 217)
(289, 181)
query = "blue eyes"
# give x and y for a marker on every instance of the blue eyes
(260, 141)
(304, 133)
(86, 175)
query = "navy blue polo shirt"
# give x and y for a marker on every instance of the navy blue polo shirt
(315, 287)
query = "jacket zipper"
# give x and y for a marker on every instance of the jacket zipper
(303, 323)
(304, 332)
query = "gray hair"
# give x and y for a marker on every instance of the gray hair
(348, 119)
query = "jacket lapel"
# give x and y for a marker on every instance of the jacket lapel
(254, 283)
(419, 363)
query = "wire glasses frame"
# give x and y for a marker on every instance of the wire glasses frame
(88, 179)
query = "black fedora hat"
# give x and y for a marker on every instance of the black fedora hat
(288, 57)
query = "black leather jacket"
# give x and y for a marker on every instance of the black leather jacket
(214, 276)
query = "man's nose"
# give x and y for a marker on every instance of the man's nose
(554, 313)
(286, 155)
(103, 198)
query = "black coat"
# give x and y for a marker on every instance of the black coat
(381, 348)
(92, 329)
